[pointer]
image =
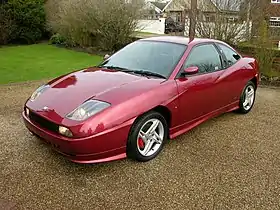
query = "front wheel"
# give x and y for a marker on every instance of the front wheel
(247, 98)
(147, 137)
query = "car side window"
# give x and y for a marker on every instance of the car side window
(231, 56)
(205, 57)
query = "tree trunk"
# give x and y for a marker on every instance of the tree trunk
(184, 14)
(192, 19)
(248, 32)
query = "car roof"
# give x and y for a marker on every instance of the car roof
(179, 39)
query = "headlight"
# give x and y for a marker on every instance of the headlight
(87, 109)
(38, 92)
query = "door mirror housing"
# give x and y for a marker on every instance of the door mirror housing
(106, 57)
(190, 70)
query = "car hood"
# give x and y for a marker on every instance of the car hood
(68, 92)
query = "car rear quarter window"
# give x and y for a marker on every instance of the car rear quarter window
(231, 56)
(205, 57)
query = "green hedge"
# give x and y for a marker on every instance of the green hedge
(22, 21)
(251, 50)
(269, 66)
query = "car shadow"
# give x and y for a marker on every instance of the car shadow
(83, 170)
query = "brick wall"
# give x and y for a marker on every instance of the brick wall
(274, 9)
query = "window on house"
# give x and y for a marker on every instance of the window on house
(178, 18)
(274, 22)
(230, 19)
(208, 19)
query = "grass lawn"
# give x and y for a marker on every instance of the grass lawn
(40, 61)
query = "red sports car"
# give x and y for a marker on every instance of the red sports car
(152, 90)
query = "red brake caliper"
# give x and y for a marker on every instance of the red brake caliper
(141, 143)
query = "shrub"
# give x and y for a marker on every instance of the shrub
(264, 53)
(58, 39)
(106, 24)
(6, 25)
(24, 21)
(264, 50)
(253, 49)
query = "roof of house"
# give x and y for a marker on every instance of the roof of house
(160, 5)
(222, 5)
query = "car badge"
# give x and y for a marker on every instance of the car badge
(46, 108)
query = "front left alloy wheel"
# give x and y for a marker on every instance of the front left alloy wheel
(147, 137)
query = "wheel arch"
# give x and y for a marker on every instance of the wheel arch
(255, 81)
(164, 111)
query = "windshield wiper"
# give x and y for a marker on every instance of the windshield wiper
(141, 72)
(115, 67)
(149, 73)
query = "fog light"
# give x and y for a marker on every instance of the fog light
(65, 131)
(27, 112)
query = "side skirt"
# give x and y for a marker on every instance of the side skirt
(181, 129)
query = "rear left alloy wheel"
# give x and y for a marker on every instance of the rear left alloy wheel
(147, 137)
(247, 98)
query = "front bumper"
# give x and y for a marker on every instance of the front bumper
(104, 147)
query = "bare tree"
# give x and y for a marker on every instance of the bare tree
(225, 23)
(262, 10)
(265, 35)
(221, 19)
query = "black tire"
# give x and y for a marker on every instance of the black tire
(132, 148)
(242, 109)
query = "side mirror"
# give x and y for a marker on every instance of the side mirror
(106, 57)
(190, 70)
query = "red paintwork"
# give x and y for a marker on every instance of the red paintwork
(103, 137)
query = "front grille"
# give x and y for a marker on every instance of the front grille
(42, 122)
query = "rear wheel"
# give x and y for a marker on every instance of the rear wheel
(247, 98)
(147, 137)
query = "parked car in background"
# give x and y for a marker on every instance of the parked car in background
(172, 26)
(150, 91)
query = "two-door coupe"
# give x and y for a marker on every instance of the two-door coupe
(152, 90)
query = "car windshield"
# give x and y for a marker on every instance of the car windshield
(150, 56)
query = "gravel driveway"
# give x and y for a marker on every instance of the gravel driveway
(230, 162)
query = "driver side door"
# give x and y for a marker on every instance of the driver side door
(199, 94)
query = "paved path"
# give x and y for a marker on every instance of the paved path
(230, 162)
